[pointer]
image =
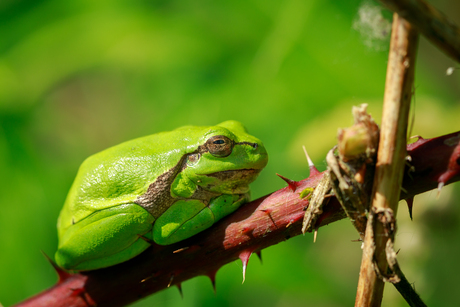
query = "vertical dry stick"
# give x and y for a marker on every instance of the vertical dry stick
(430, 22)
(390, 160)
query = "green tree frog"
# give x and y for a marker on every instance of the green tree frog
(165, 187)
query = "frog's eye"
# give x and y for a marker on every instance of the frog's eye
(219, 146)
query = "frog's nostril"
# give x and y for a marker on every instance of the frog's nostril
(253, 145)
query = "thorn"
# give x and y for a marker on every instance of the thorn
(62, 275)
(315, 235)
(77, 291)
(418, 137)
(150, 241)
(180, 249)
(212, 277)
(147, 278)
(81, 292)
(259, 254)
(244, 256)
(313, 170)
(453, 166)
(440, 186)
(171, 280)
(268, 211)
(179, 287)
(410, 203)
(291, 183)
(153, 275)
(245, 229)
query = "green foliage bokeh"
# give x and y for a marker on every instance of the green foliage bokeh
(79, 76)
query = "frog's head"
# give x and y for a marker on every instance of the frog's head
(227, 160)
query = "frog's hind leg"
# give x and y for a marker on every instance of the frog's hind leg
(106, 237)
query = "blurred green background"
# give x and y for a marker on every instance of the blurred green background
(79, 76)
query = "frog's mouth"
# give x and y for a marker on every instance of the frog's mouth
(236, 175)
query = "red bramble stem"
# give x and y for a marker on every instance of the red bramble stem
(255, 226)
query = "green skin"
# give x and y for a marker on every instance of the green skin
(164, 187)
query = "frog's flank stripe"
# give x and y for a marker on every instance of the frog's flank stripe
(158, 197)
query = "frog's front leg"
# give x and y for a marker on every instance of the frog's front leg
(225, 204)
(186, 218)
(105, 238)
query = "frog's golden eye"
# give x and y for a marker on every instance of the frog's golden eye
(219, 146)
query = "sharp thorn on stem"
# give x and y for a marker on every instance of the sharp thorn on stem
(181, 249)
(440, 186)
(268, 212)
(313, 170)
(62, 275)
(212, 277)
(259, 254)
(291, 183)
(171, 280)
(146, 239)
(179, 287)
(410, 203)
(244, 256)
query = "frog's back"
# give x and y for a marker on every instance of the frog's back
(120, 174)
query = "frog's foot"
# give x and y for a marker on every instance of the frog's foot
(186, 218)
(225, 204)
(106, 237)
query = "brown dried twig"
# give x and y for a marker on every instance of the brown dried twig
(390, 159)
(351, 169)
(431, 23)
